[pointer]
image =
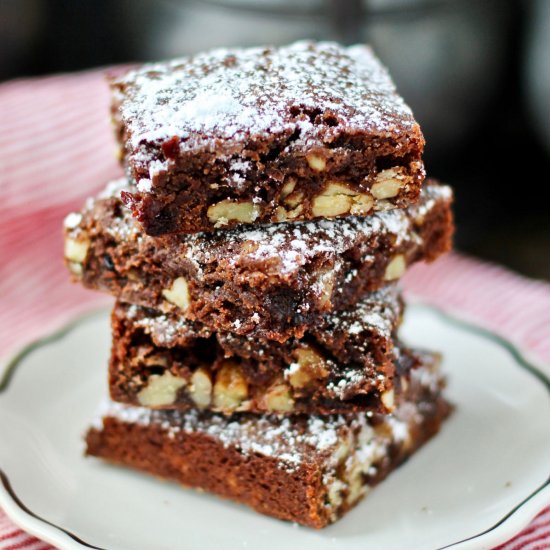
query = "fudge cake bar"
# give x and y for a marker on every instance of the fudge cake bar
(306, 469)
(265, 135)
(348, 363)
(270, 281)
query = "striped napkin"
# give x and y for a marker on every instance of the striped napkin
(56, 149)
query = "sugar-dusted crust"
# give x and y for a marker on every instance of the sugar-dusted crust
(310, 470)
(271, 281)
(347, 363)
(243, 126)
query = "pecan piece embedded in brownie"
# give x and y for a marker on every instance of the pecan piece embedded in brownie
(346, 363)
(306, 469)
(227, 137)
(270, 281)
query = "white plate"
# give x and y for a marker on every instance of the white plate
(475, 485)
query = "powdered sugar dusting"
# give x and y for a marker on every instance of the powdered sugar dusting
(377, 311)
(238, 169)
(166, 330)
(376, 314)
(291, 246)
(232, 95)
(293, 442)
(286, 251)
(144, 185)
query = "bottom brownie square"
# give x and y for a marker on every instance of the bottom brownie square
(307, 469)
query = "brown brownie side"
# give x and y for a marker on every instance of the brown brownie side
(265, 135)
(346, 364)
(309, 470)
(272, 281)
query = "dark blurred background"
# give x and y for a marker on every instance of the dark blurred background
(476, 72)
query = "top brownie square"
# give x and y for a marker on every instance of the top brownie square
(261, 135)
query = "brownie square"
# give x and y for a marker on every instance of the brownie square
(348, 362)
(259, 135)
(273, 281)
(306, 469)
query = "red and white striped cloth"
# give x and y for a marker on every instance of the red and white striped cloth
(56, 149)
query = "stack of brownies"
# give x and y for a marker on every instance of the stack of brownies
(273, 198)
